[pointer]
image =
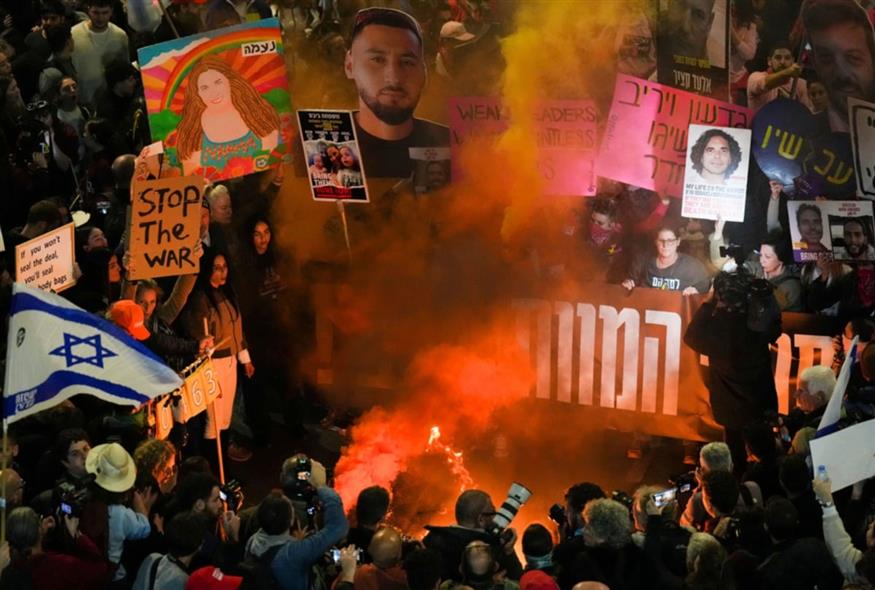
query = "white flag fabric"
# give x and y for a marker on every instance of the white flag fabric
(833, 412)
(56, 350)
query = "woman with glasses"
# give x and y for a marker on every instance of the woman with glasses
(669, 270)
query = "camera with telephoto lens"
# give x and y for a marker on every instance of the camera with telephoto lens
(557, 514)
(733, 251)
(517, 495)
(299, 488)
(232, 494)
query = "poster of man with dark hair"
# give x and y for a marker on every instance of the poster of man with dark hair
(852, 237)
(715, 178)
(693, 46)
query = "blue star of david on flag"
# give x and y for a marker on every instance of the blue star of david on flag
(73, 359)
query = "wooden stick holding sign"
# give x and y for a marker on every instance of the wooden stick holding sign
(211, 410)
(165, 226)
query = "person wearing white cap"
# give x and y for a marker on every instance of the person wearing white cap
(114, 474)
(453, 34)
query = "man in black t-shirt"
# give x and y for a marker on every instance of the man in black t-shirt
(385, 59)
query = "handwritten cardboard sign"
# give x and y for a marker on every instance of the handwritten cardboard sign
(46, 262)
(645, 139)
(565, 132)
(715, 182)
(862, 117)
(165, 226)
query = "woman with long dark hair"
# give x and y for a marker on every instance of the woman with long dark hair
(214, 305)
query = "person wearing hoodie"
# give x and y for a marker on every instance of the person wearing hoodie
(185, 534)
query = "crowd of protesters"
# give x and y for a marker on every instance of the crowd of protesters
(94, 502)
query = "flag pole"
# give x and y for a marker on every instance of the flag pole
(342, 210)
(212, 408)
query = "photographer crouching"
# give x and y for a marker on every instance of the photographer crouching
(734, 327)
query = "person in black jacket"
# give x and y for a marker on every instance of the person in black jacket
(474, 513)
(734, 327)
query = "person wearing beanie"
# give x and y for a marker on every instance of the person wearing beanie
(538, 549)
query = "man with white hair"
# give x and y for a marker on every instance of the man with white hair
(813, 392)
(715, 456)
(220, 205)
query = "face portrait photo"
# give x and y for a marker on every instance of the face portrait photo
(686, 25)
(385, 62)
(715, 156)
(843, 45)
(852, 238)
(809, 220)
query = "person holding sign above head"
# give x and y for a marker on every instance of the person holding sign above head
(669, 270)
(716, 156)
(386, 62)
(223, 118)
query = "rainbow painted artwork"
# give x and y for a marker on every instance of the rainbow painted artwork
(220, 101)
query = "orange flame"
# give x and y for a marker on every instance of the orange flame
(455, 459)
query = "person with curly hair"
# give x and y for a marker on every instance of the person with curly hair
(158, 458)
(223, 117)
(715, 156)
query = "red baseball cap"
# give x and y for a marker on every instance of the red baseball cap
(129, 316)
(212, 578)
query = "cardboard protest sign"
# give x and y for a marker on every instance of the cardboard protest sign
(162, 415)
(565, 131)
(837, 230)
(715, 181)
(333, 156)
(848, 455)
(782, 134)
(645, 140)
(46, 262)
(165, 226)
(219, 100)
(693, 46)
(431, 168)
(862, 117)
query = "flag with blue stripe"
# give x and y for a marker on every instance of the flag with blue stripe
(829, 422)
(56, 350)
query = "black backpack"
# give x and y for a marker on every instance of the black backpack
(257, 573)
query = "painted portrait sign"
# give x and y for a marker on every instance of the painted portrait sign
(219, 100)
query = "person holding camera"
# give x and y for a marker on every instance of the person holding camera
(734, 327)
(475, 512)
(293, 562)
(201, 493)
(47, 555)
(384, 572)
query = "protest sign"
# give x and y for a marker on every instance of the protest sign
(482, 119)
(46, 262)
(862, 118)
(828, 169)
(715, 181)
(693, 46)
(782, 134)
(565, 132)
(219, 100)
(165, 226)
(848, 455)
(431, 168)
(147, 165)
(645, 139)
(333, 156)
(849, 231)
(162, 416)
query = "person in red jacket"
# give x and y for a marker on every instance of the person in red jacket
(50, 557)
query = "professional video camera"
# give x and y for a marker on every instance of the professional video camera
(517, 495)
(232, 494)
(301, 492)
(733, 251)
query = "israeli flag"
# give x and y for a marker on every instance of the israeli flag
(829, 423)
(57, 350)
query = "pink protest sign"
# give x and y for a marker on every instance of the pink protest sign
(565, 133)
(645, 139)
